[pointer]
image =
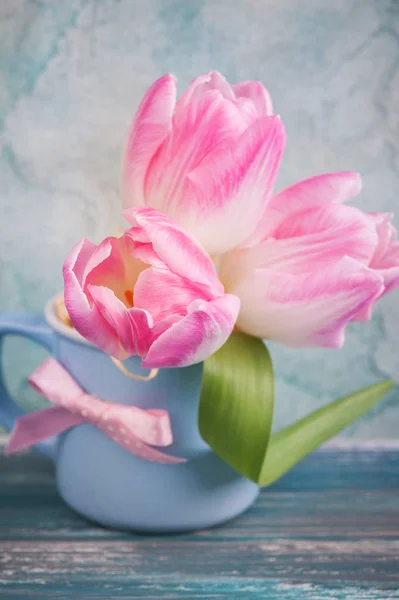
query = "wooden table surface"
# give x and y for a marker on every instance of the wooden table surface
(328, 530)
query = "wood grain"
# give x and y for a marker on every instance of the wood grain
(328, 530)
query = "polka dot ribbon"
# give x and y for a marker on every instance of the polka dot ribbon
(133, 428)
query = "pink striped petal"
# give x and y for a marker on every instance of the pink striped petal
(317, 238)
(311, 193)
(232, 187)
(321, 189)
(390, 276)
(208, 122)
(163, 293)
(204, 83)
(306, 309)
(386, 257)
(387, 251)
(195, 337)
(86, 317)
(78, 257)
(180, 253)
(103, 264)
(114, 266)
(150, 126)
(257, 94)
(308, 241)
(132, 326)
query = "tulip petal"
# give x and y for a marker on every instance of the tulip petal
(195, 337)
(150, 126)
(232, 187)
(86, 318)
(203, 83)
(314, 192)
(113, 264)
(387, 251)
(321, 189)
(209, 122)
(132, 326)
(306, 309)
(180, 253)
(257, 94)
(390, 276)
(317, 238)
(162, 293)
(307, 241)
(386, 257)
(78, 257)
(104, 263)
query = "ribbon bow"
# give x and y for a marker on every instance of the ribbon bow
(129, 426)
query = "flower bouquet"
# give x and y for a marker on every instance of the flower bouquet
(212, 263)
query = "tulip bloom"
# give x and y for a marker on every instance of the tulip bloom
(209, 161)
(302, 262)
(153, 292)
(310, 274)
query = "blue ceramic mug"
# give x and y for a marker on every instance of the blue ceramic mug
(103, 481)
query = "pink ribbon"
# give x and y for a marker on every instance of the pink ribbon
(134, 429)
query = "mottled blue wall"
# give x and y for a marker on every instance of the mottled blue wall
(72, 73)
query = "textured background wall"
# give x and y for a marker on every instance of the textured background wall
(72, 73)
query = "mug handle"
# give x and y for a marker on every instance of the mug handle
(35, 328)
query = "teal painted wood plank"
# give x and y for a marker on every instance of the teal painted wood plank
(202, 589)
(328, 530)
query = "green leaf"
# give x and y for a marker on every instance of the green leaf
(236, 412)
(236, 403)
(291, 444)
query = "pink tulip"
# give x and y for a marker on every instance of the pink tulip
(319, 264)
(152, 292)
(302, 262)
(209, 161)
